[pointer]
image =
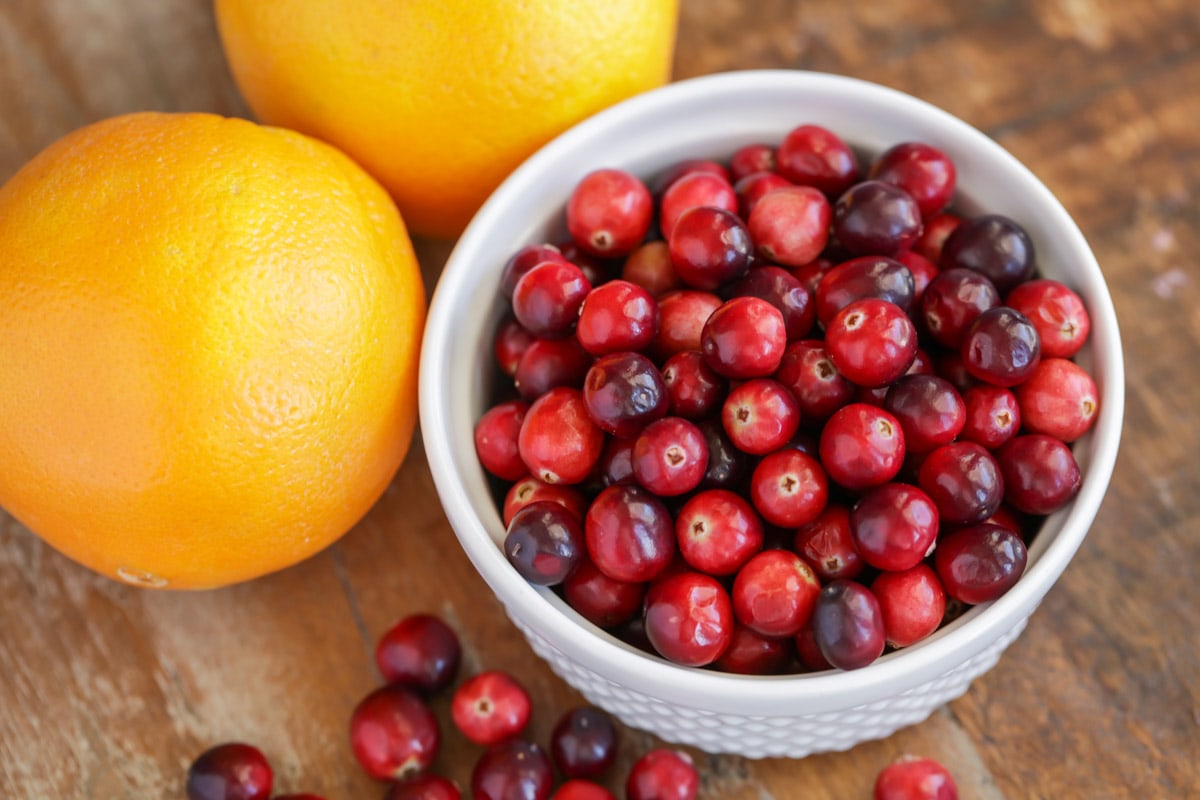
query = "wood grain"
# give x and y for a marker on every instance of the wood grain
(109, 692)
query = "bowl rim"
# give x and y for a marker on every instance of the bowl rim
(721, 692)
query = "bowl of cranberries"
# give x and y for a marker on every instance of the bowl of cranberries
(770, 405)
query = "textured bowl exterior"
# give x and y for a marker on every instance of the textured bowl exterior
(710, 117)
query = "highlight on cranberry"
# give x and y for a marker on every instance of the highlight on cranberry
(783, 413)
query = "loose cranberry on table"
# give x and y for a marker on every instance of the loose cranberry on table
(859, 278)
(663, 774)
(576, 789)
(744, 338)
(993, 245)
(789, 488)
(694, 390)
(718, 531)
(544, 542)
(709, 247)
(862, 446)
(670, 457)
(751, 158)
(698, 189)
(828, 546)
(1059, 399)
(650, 267)
(933, 238)
(754, 187)
(630, 535)
(515, 769)
(547, 298)
(774, 593)
(490, 707)
(232, 771)
(760, 416)
(496, 440)
(847, 625)
(727, 465)
(929, 409)
(993, 415)
(784, 291)
(952, 301)
(1040, 473)
(601, 600)
(810, 155)
(1001, 347)
(393, 733)
(872, 342)
(810, 375)
(617, 316)
(558, 441)
(524, 260)
(531, 490)
(423, 787)
(689, 618)
(876, 218)
(925, 174)
(912, 778)
(751, 653)
(623, 393)
(790, 225)
(420, 651)
(980, 563)
(510, 345)
(682, 316)
(1058, 314)
(584, 743)
(912, 602)
(609, 213)
(894, 526)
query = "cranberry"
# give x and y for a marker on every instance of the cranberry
(709, 247)
(670, 456)
(930, 411)
(694, 390)
(544, 543)
(744, 338)
(496, 440)
(808, 652)
(698, 189)
(894, 526)
(876, 218)
(576, 789)
(760, 416)
(789, 488)
(813, 156)
(1005, 517)
(912, 602)
(993, 416)
(490, 707)
(420, 651)
(513, 770)
(547, 299)
(779, 288)
(393, 733)
(650, 268)
(602, 601)
(1058, 314)
(963, 479)
(751, 653)
(1001, 347)
(952, 301)
(923, 172)
(755, 187)
(559, 442)
(1040, 473)
(617, 316)
(750, 159)
(609, 213)
(524, 260)
(727, 465)
(624, 392)
(717, 532)
(682, 316)
(862, 446)
(936, 230)
(810, 274)
(616, 462)
(422, 787)
(663, 774)
(549, 364)
(872, 342)
(584, 743)
(828, 546)
(923, 272)
(993, 245)
(808, 372)
(847, 625)
(774, 593)
(531, 490)
(510, 345)
(232, 771)
(912, 778)
(685, 168)
(859, 278)
(630, 536)
(790, 225)
(979, 563)
(596, 270)
(689, 618)
(1059, 399)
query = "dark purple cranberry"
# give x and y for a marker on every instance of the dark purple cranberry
(420, 651)
(524, 260)
(980, 563)
(727, 466)
(963, 480)
(584, 743)
(513, 770)
(993, 245)
(860, 278)
(624, 393)
(616, 462)
(847, 624)
(232, 771)
(710, 247)
(544, 543)
(1040, 473)
(952, 301)
(876, 218)
(779, 288)
(547, 298)
(1001, 347)
(930, 411)
(925, 173)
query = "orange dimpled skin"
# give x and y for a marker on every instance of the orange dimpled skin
(209, 332)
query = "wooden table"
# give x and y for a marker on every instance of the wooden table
(109, 692)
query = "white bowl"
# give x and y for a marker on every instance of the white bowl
(711, 117)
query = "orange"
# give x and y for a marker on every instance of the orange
(441, 99)
(209, 333)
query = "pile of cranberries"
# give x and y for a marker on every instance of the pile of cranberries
(778, 415)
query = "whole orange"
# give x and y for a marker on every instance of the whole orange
(441, 99)
(209, 333)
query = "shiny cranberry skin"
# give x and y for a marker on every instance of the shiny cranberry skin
(790, 225)
(689, 618)
(630, 535)
(718, 532)
(694, 390)
(933, 238)
(684, 168)
(929, 409)
(698, 189)
(578, 789)
(751, 653)
(847, 625)
(993, 245)
(1040, 473)
(993, 415)
(420, 651)
(925, 174)
(979, 563)
(952, 301)
(749, 159)
(624, 393)
(393, 733)
(789, 488)
(894, 526)
(813, 156)
(828, 546)
(872, 342)
(727, 465)
(513, 770)
(650, 267)
(755, 187)
(923, 272)
(422, 787)
(524, 260)
(531, 490)
(1001, 347)
(584, 743)
(809, 374)
(779, 288)
(760, 416)
(547, 298)
(490, 707)
(609, 213)
(496, 440)
(602, 601)
(1058, 314)
(859, 278)
(709, 247)
(912, 778)
(862, 446)
(616, 462)
(744, 338)
(663, 774)
(544, 543)
(549, 364)
(617, 316)
(232, 771)
(774, 593)
(510, 345)
(912, 602)
(682, 316)
(670, 456)
(1059, 399)
(558, 441)
(963, 480)
(876, 218)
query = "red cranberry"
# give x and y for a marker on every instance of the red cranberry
(755, 187)
(685, 168)
(828, 546)
(547, 299)
(232, 771)
(929, 409)
(779, 288)
(420, 651)
(1001, 347)
(1058, 314)
(689, 618)
(993, 245)
(937, 229)
(691, 191)
(584, 743)
(559, 442)
(847, 625)
(576, 789)
(1005, 517)
(810, 274)
(859, 278)
(393, 733)
(422, 787)
(760, 416)
(549, 364)
(490, 707)
(876, 218)
(807, 651)
(993, 416)
(663, 774)
(750, 159)
(964, 482)
(682, 316)
(630, 536)
(912, 602)
(894, 526)
(496, 440)
(862, 446)
(980, 563)
(923, 172)
(751, 653)
(513, 770)
(616, 462)
(544, 543)
(774, 593)
(813, 156)
(952, 301)
(923, 272)
(510, 345)
(694, 390)
(617, 316)
(717, 532)
(1040, 473)
(1059, 399)
(531, 490)
(670, 456)
(872, 342)
(727, 465)
(744, 338)
(912, 778)
(709, 247)
(650, 268)
(602, 601)
(790, 225)
(624, 392)
(524, 260)
(609, 213)
(809, 374)
(789, 488)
